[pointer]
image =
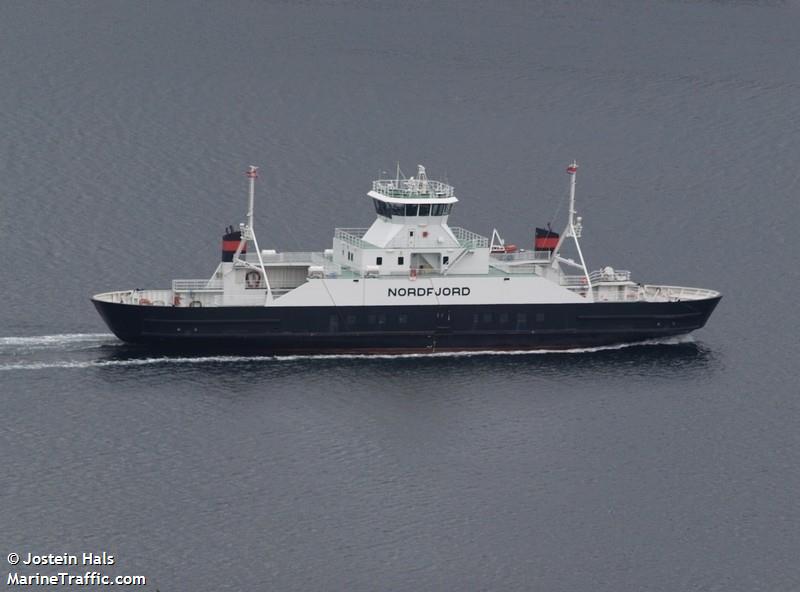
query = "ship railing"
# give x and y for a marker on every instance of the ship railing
(616, 275)
(518, 269)
(522, 257)
(654, 293)
(302, 257)
(574, 280)
(596, 277)
(354, 237)
(151, 298)
(468, 239)
(212, 285)
(408, 188)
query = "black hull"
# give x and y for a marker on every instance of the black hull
(399, 329)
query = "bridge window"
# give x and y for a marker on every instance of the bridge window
(387, 210)
(424, 209)
(411, 209)
(382, 208)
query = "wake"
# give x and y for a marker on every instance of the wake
(56, 342)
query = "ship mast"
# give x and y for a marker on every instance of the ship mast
(252, 175)
(249, 233)
(573, 231)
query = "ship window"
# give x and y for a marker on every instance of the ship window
(410, 233)
(487, 317)
(475, 319)
(379, 261)
(411, 209)
(400, 260)
(503, 318)
(371, 319)
(381, 319)
(396, 209)
(522, 320)
(424, 209)
(351, 320)
(445, 260)
(402, 319)
(437, 209)
(540, 317)
(333, 324)
(382, 208)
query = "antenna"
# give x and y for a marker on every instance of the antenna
(252, 175)
(571, 170)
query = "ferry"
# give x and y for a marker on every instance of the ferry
(408, 283)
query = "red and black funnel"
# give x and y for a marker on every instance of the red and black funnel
(230, 242)
(546, 240)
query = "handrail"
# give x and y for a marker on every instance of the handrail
(205, 285)
(522, 257)
(574, 280)
(312, 257)
(352, 236)
(667, 293)
(413, 188)
(468, 239)
(616, 275)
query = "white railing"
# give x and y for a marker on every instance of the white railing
(150, 298)
(673, 293)
(618, 275)
(412, 188)
(574, 280)
(212, 285)
(468, 239)
(309, 257)
(523, 257)
(353, 236)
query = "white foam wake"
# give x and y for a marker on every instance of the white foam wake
(56, 340)
(222, 359)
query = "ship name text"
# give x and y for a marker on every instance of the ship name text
(464, 291)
